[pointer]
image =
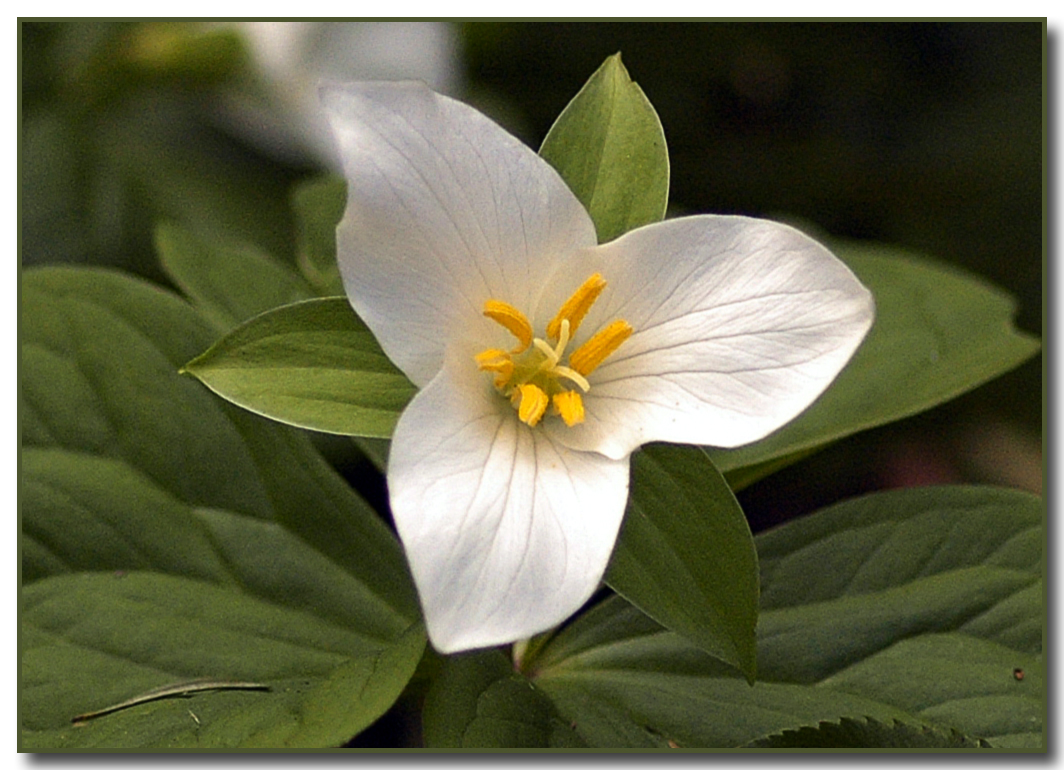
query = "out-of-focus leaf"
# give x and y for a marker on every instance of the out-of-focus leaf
(319, 206)
(228, 284)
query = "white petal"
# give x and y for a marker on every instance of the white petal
(506, 532)
(444, 211)
(739, 325)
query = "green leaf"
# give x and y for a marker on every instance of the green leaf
(228, 284)
(85, 512)
(128, 466)
(938, 333)
(916, 605)
(100, 354)
(626, 682)
(943, 580)
(312, 364)
(478, 701)
(993, 691)
(686, 556)
(609, 147)
(859, 576)
(319, 206)
(93, 640)
(867, 733)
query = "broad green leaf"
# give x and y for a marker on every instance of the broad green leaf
(100, 354)
(938, 333)
(85, 512)
(478, 701)
(916, 605)
(228, 284)
(609, 147)
(313, 364)
(319, 207)
(93, 640)
(867, 733)
(624, 681)
(866, 573)
(978, 686)
(129, 466)
(685, 555)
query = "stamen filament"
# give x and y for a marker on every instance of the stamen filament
(575, 377)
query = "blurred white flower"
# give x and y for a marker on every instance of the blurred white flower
(281, 114)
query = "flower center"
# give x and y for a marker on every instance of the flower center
(532, 375)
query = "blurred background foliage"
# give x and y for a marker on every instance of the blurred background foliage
(928, 136)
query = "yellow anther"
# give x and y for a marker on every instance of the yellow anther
(498, 361)
(533, 404)
(576, 307)
(512, 319)
(490, 357)
(588, 356)
(570, 406)
(535, 375)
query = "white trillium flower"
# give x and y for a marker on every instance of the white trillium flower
(544, 359)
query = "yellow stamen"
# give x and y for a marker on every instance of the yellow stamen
(533, 404)
(487, 358)
(535, 375)
(576, 307)
(512, 319)
(588, 356)
(498, 361)
(570, 406)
